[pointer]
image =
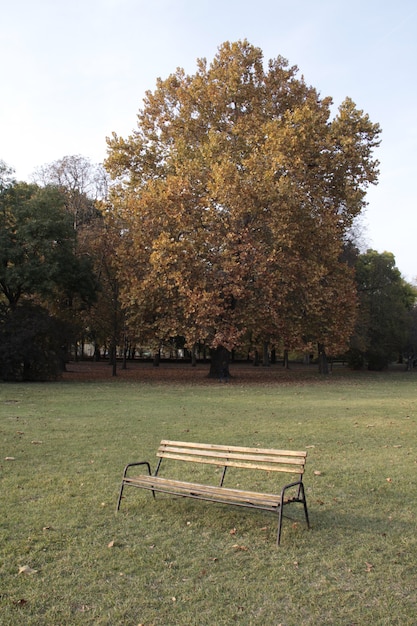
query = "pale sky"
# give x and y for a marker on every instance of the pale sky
(75, 71)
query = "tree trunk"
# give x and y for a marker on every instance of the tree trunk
(219, 363)
(194, 356)
(286, 362)
(265, 359)
(113, 359)
(323, 363)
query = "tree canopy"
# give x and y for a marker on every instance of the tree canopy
(235, 195)
(43, 282)
(37, 247)
(386, 318)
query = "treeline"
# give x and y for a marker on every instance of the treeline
(60, 285)
(225, 222)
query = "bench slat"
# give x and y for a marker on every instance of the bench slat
(268, 458)
(223, 461)
(223, 448)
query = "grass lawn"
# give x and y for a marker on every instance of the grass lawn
(68, 559)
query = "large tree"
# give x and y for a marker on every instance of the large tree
(235, 194)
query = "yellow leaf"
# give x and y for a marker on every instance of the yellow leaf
(25, 569)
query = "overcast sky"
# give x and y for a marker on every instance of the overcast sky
(75, 71)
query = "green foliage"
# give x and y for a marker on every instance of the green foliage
(183, 563)
(31, 344)
(37, 242)
(38, 265)
(384, 326)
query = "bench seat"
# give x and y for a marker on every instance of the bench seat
(266, 501)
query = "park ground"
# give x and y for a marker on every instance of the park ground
(67, 559)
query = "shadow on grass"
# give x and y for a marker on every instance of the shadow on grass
(358, 523)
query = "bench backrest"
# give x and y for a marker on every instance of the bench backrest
(288, 461)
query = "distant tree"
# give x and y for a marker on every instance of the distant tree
(386, 303)
(7, 178)
(84, 186)
(411, 347)
(32, 344)
(37, 248)
(42, 282)
(81, 182)
(236, 192)
(106, 317)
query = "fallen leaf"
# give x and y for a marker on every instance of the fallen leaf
(233, 531)
(237, 547)
(20, 602)
(174, 599)
(10, 458)
(36, 442)
(111, 544)
(369, 566)
(25, 569)
(317, 473)
(389, 480)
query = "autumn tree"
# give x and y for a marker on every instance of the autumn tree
(236, 192)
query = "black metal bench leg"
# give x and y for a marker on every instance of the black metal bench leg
(120, 496)
(279, 526)
(304, 501)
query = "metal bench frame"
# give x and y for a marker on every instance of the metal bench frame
(286, 461)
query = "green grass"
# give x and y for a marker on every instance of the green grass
(176, 561)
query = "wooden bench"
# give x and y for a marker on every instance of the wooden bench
(288, 462)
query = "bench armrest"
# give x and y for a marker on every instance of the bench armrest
(297, 483)
(135, 464)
